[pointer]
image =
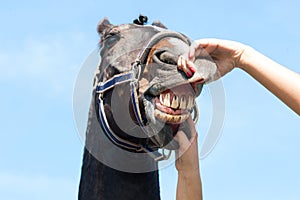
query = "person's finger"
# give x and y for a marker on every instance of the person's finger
(206, 42)
(182, 65)
(191, 54)
(209, 45)
(182, 139)
(179, 63)
(198, 49)
(192, 128)
(191, 66)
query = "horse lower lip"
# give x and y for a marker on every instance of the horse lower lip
(171, 119)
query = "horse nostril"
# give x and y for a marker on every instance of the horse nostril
(167, 57)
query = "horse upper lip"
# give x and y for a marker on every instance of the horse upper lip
(160, 87)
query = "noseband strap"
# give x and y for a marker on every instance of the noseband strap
(132, 77)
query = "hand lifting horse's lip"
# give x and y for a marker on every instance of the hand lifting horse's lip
(174, 105)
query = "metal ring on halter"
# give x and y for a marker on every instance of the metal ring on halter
(136, 70)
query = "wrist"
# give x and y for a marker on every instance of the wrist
(187, 164)
(246, 57)
(187, 168)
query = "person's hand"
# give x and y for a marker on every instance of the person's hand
(226, 54)
(187, 154)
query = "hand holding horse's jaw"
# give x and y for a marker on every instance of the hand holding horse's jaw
(187, 153)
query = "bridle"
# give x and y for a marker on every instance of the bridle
(132, 77)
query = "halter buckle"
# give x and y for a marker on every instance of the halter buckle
(136, 70)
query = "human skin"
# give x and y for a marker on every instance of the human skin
(228, 55)
(279, 80)
(187, 164)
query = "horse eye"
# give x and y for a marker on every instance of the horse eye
(110, 40)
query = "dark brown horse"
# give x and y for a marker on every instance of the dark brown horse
(140, 99)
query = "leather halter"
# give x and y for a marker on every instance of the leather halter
(132, 77)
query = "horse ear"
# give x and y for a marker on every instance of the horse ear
(103, 25)
(159, 24)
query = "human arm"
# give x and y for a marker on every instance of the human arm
(282, 82)
(189, 185)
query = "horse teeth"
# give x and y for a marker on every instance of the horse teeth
(168, 118)
(157, 113)
(161, 99)
(167, 100)
(190, 103)
(182, 103)
(177, 119)
(175, 102)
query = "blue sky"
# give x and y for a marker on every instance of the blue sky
(43, 45)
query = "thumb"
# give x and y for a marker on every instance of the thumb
(183, 141)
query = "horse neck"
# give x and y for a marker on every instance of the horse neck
(99, 181)
(102, 181)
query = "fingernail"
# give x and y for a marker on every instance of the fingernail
(193, 70)
(191, 66)
(189, 74)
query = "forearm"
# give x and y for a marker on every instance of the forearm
(282, 82)
(189, 185)
(187, 164)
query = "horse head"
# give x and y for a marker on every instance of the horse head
(142, 97)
